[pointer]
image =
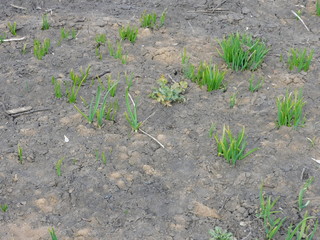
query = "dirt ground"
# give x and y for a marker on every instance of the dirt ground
(145, 191)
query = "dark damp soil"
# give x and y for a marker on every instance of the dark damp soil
(145, 191)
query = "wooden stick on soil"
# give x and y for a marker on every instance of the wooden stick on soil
(14, 39)
(18, 7)
(151, 137)
(300, 20)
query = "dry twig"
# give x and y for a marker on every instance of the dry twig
(301, 20)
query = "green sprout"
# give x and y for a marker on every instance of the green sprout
(299, 59)
(131, 113)
(58, 166)
(40, 50)
(219, 234)
(13, 28)
(20, 152)
(45, 22)
(53, 234)
(301, 194)
(4, 207)
(129, 33)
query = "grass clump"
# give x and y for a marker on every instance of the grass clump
(148, 20)
(131, 113)
(232, 148)
(13, 28)
(167, 94)
(45, 22)
(129, 33)
(53, 234)
(111, 110)
(233, 100)
(58, 166)
(301, 194)
(4, 207)
(299, 59)
(242, 52)
(290, 109)
(40, 50)
(57, 87)
(254, 86)
(112, 85)
(318, 7)
(65, 34)
(20, 154)
(117, 52)
(219, 234)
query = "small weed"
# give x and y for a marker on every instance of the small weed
(290, 109)
(24, 49)
(20, 152)
(163, 18)
(129, 33)
(232, 148)
(100, 39)
(111, 110)
(212, 130)
(187, 68)
(45, 22)
(4, 207)
(73, 33)
(2, 37)
(13, 28)
(64, 34)
(299, 59)
(111, 86)
(58, 166)
(53, 234)
(241, 52)
(255, 86)
(131, 113)
(318, 7)
(73, 90)
(117, 52)
(57, 88)
(219, 234)
(271, 224)
(301, 194)
(103, 158)
(167, 94)
(40, 50)
(148, 20)
(233, 100)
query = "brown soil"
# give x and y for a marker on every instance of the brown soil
(145, 191)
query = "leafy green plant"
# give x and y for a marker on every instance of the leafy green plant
(290, 109)
(167, 94)
(53, 234)
(117, 52)
(57, 88)
(13, 28)
(58, 166)
(73, 89)
(129, 33)
(4, 207)
(271, 224)
(242, 52)
(131, 113)
(20, 154)
(299, 59)
(232, 148)
(301, 194)
(219, 234)
(111, 110)
(233, 100)
(255, 86)
(40, 50)
(45, 22)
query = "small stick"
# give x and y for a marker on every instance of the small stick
(15, 6)
(151, 137)
(19, 110)
(34, 111)
(101, 74)
(14, 39)
(172, 78)
(131, 100)
(147, 118)
(300, 20)
(191, 26)
(301, 175)
(317, 161)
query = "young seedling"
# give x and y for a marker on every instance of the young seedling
(318, 7)
(254, 87)
(20, 152)
(290, 109)
(2, 37)
(40, 50)
(232, 148)
(45, 22)
(233, 100)
(24, 49)
(187, 68)
(117, 52)
(4, 207)
(53, 234)
(272, 225)
(131, 113)
(299, 59)
(163, 18)
(210, 76)
(111, 87)
(58, 166)
(312, 141)
(73, 33)
(129, 80)
(301, 194)
(129, 33)
(64, 34)
(111, 110)
(242, 52)
(100, 39)
(13, 28)
(167, 94)
(57, 87)
(219, 234)
(212, 130)
(148, 20)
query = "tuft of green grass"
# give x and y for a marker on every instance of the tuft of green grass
(13, 28)
(58, 166)
(271, 224)
(163, 18)
(129, 33)
(242, 52)
(290, 109)
(301, 194)
(131, 113)
(167, 94)
(111, 110)
(2, 37)
(255, 86)
(45, 22)
(40, 50)
(233, 100)
(219, 234)
(148, 20)
(20, 154)
(57, 88)
(299, 59)
(232, 148)
(117, 52)
(318, 7)
(112, 87)
(100, 39)
(4, 207)
(64, 34)
(24, 49)
(53, 234)
(72, 90)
